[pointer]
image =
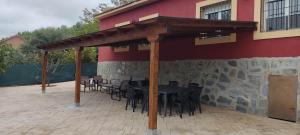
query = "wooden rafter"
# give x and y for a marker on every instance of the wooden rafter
(166, 26)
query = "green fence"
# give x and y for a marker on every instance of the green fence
(31, 74)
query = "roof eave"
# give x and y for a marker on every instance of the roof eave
(124, 8)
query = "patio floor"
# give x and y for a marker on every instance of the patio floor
(25, 111)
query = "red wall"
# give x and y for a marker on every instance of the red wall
(179, 49)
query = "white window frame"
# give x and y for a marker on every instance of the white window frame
(260, 34)
(287, 9)
(217, 8)
(217, 40)
(121, 48)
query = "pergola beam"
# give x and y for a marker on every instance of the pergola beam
(115, 37)
(167, 26)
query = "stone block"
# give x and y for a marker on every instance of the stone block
(263, 103)
(210, 82)
(205, 98)
(207, 91)
(224, 78)
(242, 102)
(224, 100)
(212, 103)
(233, 73)
(255, 80)
(235, 93)
(241, 109)
(265, 90)
(256, 70)
(241, 75)
(221, 87)
(232, 63)
(289, 71)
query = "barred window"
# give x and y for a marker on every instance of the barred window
(281, 15)
(221, 11)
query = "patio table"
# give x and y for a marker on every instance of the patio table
(163, 90)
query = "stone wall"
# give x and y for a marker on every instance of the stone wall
(239, 84)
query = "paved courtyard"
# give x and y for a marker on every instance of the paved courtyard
(25, 111)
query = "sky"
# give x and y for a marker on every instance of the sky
(28, 15)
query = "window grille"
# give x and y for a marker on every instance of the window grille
(281, 15)
(220, 11)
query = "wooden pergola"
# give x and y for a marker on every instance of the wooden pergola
(152, 30)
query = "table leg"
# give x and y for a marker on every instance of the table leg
(165, 103)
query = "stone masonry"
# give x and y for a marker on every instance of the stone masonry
(239, 84)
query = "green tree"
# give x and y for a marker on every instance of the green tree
(81, 28)
(29, 54)
(38, 37)
(90, 55)
(88, 15)
(8, 56)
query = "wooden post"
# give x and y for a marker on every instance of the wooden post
(78, 56)
(44, 71)
(153, 86)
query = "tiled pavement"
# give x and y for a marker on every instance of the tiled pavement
(25, 111)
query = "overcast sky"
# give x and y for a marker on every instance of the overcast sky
(27, 15)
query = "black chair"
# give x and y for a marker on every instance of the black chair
(131, 98)
(182, 102)
(195, 98)
(112, 84)
(118, 90)
(171, 98)
(192, 85)
(133, 83)
(97, 80)
(85, 81)
(115, 81)
(139, 94)
(173, 83)
(103, 85)
(124, 87)
(145, 82)
(145, 101)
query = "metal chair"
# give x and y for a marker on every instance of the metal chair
(118, 90)
(85, 81)
(131, 98)
(182, 102)
(191, 85)
(103, 85)
(195, 98)
(145, 101)
(173, 83)
(98, 80)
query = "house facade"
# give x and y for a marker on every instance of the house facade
(234, 69)
(15, 41)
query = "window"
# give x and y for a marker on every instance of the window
(281, 15)
(273, 21)
(144, 46)
(123, 48)
(216, 10)
(221, 11)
